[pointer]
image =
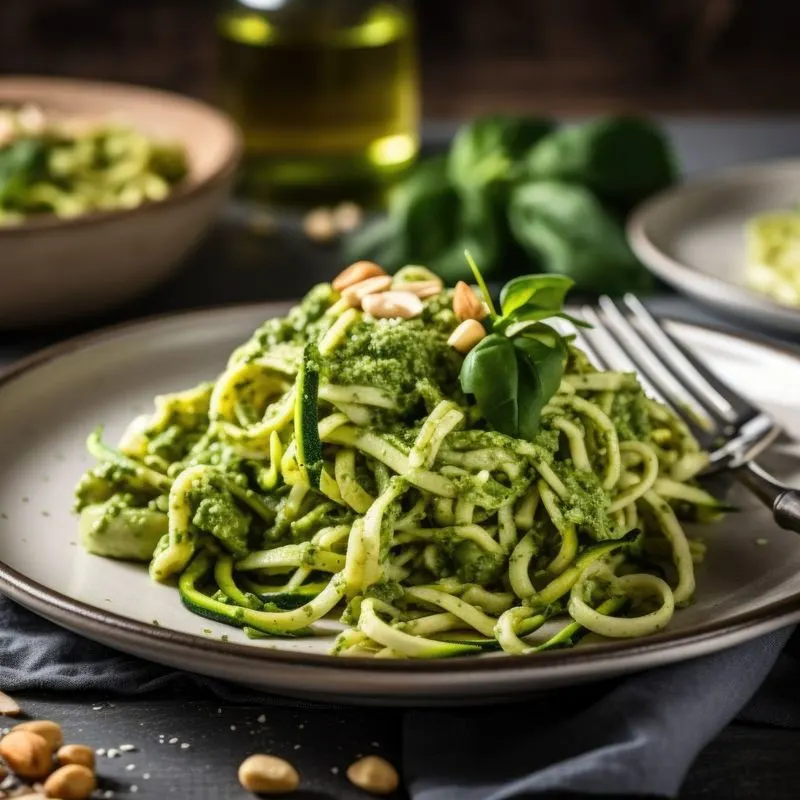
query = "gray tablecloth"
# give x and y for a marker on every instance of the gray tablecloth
(638, 735)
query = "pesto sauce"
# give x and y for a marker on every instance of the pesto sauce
(587, 502)
(304, 322)
(630, 416)
(218, 513)
(410, 359)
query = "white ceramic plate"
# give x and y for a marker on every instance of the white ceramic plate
(51, 401)
(692, 237)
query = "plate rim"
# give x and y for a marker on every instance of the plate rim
(35, 596)
(678, 273)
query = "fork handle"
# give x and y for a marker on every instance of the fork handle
(784, 501)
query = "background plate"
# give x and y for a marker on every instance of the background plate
(693, 237)
(50, 402)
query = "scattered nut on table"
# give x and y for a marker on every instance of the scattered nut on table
(9, 706)
(318, 225)
(27, 754)
(50, 731)
(265, 774)
(76, 754)
(72, 782)
(347, 216)
(374, 774)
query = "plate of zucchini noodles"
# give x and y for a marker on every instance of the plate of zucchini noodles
(391, 491)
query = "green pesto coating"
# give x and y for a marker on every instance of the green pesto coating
(219, 514)
(410, 359)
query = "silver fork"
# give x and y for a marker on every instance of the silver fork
(624, 335)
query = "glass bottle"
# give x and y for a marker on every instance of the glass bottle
(326, 92)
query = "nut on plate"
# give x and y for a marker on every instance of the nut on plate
(392, 305)
(354, 294)
(355, 273)
(374, 774)
(467, 304)
(421, 289)
(466, 336)
(265, 774)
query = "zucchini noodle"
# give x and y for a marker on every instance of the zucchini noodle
(335, 470)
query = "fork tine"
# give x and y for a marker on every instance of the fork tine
(692, 372)
(611, 354)
(681, 398)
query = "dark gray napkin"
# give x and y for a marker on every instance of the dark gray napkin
(638, 735)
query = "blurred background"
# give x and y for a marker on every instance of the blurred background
(567, 56)
(571, 55)
(338, 100)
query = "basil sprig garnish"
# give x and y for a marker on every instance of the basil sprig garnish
(514, 371)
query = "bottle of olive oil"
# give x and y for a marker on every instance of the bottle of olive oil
(326, 92)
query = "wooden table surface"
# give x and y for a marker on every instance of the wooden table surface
(746, 761)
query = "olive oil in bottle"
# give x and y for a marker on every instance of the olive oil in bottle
(326, 92)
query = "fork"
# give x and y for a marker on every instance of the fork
(625, 336)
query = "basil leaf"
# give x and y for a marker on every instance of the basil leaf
(490, 373)
(622, 160)
(514, 325)
(477, 230)
(513, 379)
(566, 227)
(539, 292)
(430, 223)
(546, 366)
(422, 221)
(486, 151)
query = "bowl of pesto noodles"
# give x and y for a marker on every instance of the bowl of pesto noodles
(103, 189)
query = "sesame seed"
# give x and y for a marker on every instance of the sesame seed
(334, 770)
(108, 793)
(185, 745)
(297, 747)
(97, 708)
(145, 776)
(101, 751)
(233, 727)
(130, 767)
(113, 753)
(127, 748)
(375, 744)
(173, 740)
(134, 788)
(262, 719)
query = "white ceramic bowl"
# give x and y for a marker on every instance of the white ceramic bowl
(52, 269)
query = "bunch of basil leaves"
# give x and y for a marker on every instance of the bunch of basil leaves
(521, 193)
